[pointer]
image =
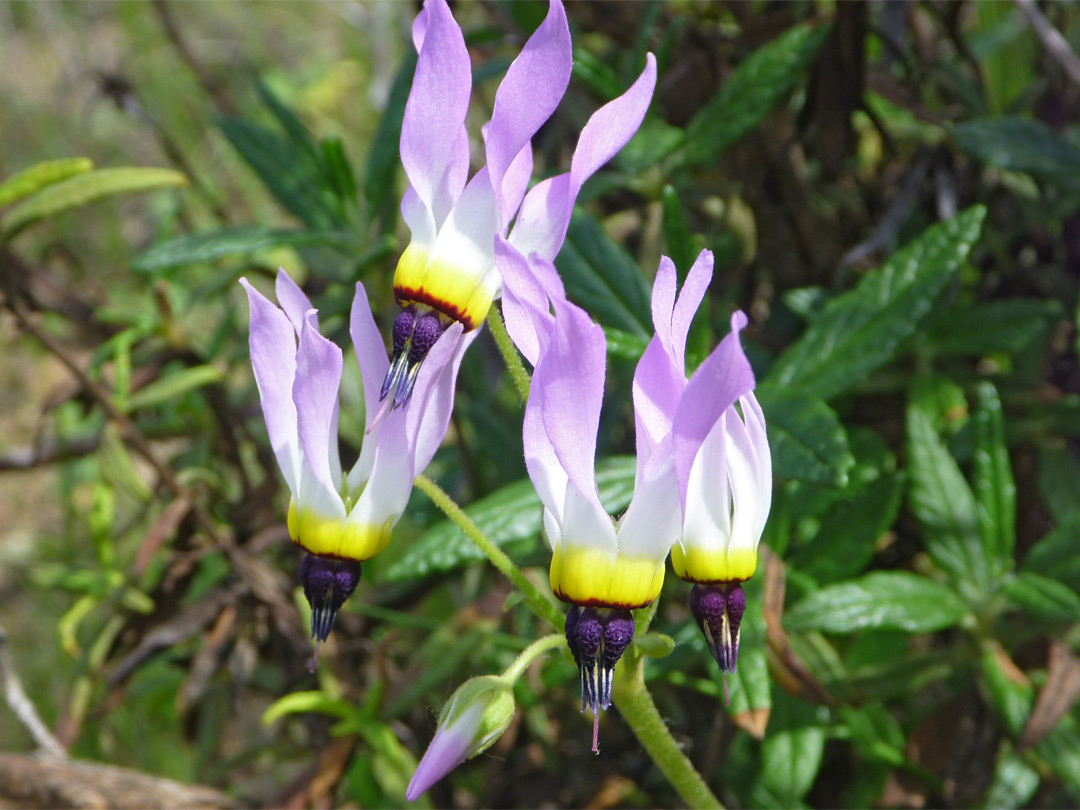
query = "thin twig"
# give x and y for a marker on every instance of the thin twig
(22, 707)
(1056, 45)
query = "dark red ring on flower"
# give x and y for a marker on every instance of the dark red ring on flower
(600, 603)
(409, 295)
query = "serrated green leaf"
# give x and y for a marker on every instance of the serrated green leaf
(1019, 144)
(752, 91)
(203, 248)
(862, 329)
(944, 504)
(24, 183)
(83, 188)
(602, 277)
(845, 542)
(790, 755)
(807, 440)
(992, 478)
(1043, 597)
(176, 384)
(896, 600)
(995, 326)
(511, 513)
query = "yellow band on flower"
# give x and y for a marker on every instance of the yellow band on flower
(592, 576)
(456, 290)
(710, 565)
(332, 537)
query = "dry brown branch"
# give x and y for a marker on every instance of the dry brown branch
(28, 781)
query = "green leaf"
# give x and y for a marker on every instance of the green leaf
(944, 504)
(307, 702)
(996, 326)
(677, 236)
(595, 73)
(625, 345)
(290, 173)
(1059, 483)
(1012, 700)
(80, 189)
(752, 91)
(845, 542)
(896, 600)
(875, 733)
(26, 182)
(338, 171)
(601, 276)
(995, 489)
(383, 160)
(1057, 555)
(807, 440)
(204, 248)
(862, 329)
(511, 513)
(173, 386)
(790, 755)
(1019, 144)
(656, 645)
(1043, 597)
(1014, 783)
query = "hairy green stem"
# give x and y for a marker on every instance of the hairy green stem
(538, 647)
(536, 601)
(636, 705)
(509, 352)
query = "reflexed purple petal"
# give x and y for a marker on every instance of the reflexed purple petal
(719, 381)
(543, 218)
(437, 103)
(527, 97)
(273, 359)
(610, 127)
(292, 300)
(524, 303)
(690, 297)
(652, 523)
(428, 416)
(453, 179)
(449, 748)
(545, 211)
(315, 392)
(571, 375)
(370, 351)
(419, 29)
(515, 183)
(419, 217)
(663, 299)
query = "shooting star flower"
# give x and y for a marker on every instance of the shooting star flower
(341, 518)
(722, 459)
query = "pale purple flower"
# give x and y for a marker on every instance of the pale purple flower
(341, 517)
(448, 273)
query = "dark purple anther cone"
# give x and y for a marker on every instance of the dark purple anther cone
(327, 584)
(403, 329)
(718, 609)
(597, 638)
(413, 337)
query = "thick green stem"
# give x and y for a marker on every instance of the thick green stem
(537, 602)
(538, 647)
(636, 706)
(510, 354)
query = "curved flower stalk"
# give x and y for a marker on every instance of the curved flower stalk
(341, 518)
(721, 450)
(448, 272)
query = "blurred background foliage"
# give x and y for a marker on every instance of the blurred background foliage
(892, 192)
